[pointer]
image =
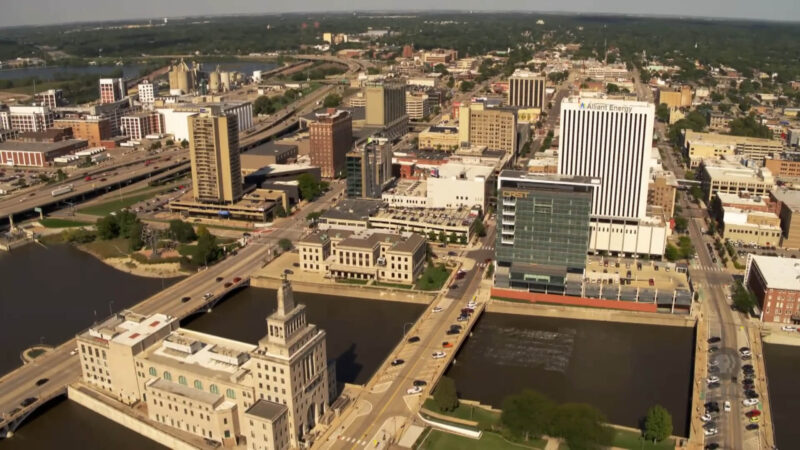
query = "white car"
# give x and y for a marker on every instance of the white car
(73, 352)
(207, 295)
(726, 406)
(710, 432)
(414, 390)
(439, 355)
(712, 379)
(705, 417)
(788, 328)
(750, 402)
(437, 309)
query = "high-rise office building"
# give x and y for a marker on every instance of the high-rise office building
(330, 138)
(386, 103)
(610, 140)
(495, 128)
(112, 90)
(369, 168)
(147, 92)
(543, 229)
(214, 153)
(526, 89)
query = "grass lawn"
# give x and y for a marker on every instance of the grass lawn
(433, 278)
(633, 441)
(484, 417)
(53, 222)
(35, 353)
(351, 281)
(104, 209)
(439, 440)
(112, 248)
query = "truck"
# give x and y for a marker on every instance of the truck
(61, 190)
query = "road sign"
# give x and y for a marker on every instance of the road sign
(37, 209)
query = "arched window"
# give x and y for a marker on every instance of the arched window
(198, 384)
(230, 393)
(214, 389)
(167, 376)
(182, 380)
(153, 371)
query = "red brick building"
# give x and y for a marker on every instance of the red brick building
(775, 281)
(330, 138)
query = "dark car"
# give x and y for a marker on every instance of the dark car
(709, 425)
(451, 253)
(237, 279)
(28, 401)
(42, 381)
(453, 286)
(714, 339)
(713, 385)
(220, 278)
(228, 284)
(713, 369)
(420, 383)
(750, 427)
(751, 394)
(185, 299)
(452, 331)
(713, 349)
(397, 362)
(413, 339)
(712, 446)
(747, 367)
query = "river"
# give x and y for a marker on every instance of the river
(50, 294)
(128, 71)
(782, 362)
(622, 369)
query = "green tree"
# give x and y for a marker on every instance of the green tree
(671, 253)
(127, 222)
(442, 237)
(662, 112)
(612, 88)
(181, 231)
(107, 227)
(527, 414)
(440, 68)
(657, 424)
(285, 244)
(451, 82)
(309, 187)
(743, 299)
(445, 394)
(681, 224)
(135, 241)
(332, 100)
(480, 229)
(748, 126)
(583, 426)
(466, 86)
(184, 143)
(207, 251)
(453, 238)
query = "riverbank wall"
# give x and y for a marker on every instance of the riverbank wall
(604, 315)
(348, 290)
(116, 412)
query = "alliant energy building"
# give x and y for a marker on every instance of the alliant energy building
(612, 140)
(260, 397)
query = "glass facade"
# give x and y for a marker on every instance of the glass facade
(543, 231)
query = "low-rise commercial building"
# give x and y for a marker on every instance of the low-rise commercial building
(453, 225)
(699, 146)
(36, 154)
(364, 255)
(775, 282)
(661, 191)
(266, 154)
(418, 106)
(6, 135)
(95, 130)
(788, 209)
(26, 118)
(786, 165)
(751, 227)
(439, 138)
(732, 178)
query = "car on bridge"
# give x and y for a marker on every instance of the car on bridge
(185, 299)
(447, 344)
(397, 362)
(413, 339)
(414, 390)
(42, 381)
(420, 383)
(439, 355)
(750, 402)
(28, 401)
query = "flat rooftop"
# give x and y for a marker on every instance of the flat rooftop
(129, 328)
(663, 274)
(727, 139)
(742, 200)
(267, 410)
(185, 391)
(39, 147)
(409, 188)
(433, 216)
(789, 197)
(471, 172)
(212, 355)
(270, 149)
(353, 209)
(778, 273)
(548, 177)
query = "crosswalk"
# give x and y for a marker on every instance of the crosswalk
(483, 264)
(710, 268)
(487, 247)
(353, 440)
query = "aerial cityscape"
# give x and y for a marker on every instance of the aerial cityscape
(229, 227)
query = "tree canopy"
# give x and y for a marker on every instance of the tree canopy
(747, 126)
(657, 424)
(445, 394)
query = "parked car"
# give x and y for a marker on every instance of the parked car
(447, 344)
(705, 417)
(28, 401)
(755, 419)
(438, 355)
(413, 339)
(788, 328)
(751, 427)
(750, 402)
(207, 295)
(712, 379)
(744, 351)
(397, 362)
(420, 383)
(185, 299)
(714, 339)
(436, 309)
(753, 413)
(711, 432)
(726, 406)
(414, 390)
(42, 381)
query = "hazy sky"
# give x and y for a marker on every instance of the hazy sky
(25, 12)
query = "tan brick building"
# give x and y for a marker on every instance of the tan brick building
(93, 130)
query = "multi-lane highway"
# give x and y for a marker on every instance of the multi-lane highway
(61, 368)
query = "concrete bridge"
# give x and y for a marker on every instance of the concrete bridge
(11, 420)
